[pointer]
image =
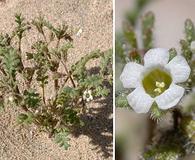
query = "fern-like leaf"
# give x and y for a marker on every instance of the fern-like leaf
(62, 139)
(11, 61)
(32, 99)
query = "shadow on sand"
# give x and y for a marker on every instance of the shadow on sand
(99, 124)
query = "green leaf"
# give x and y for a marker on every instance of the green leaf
(25, 118)
(106, 62)
(119, 49)
(31, 99)
(62, 139)
(79, 69)
(189, 31)
(132, 16)
(11, 61)
(70, 116)
(21, 26)
(62, 52)
(39, 23)
(147, 30)
(28, 73)
(92, 81)
(5, 40)
(130, 36)
(67, 95)
(101, 91)
(42, 75)
(61, 32)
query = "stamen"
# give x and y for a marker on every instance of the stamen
(158, 90)
(160, 84)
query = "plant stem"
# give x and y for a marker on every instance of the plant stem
(19, 98)
(43, 93)
(20, 50)
(151, 128)
(56, 84)
(57, 44)
(56, 80)
(19, 45)
(43, 33)
(83, 106)
(68, 74)
(176, 116)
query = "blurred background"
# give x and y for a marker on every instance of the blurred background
(132, 130)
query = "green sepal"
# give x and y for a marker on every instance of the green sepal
(172, 53)
(121, 101)
(156, 113)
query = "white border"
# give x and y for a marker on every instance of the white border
(113, 30)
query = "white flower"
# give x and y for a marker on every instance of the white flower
(87, 95)
(79, 32)
(11, 99)
(36, 111)
(156, 81)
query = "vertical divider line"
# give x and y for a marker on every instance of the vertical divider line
(113, 79)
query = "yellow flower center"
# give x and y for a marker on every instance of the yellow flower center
(156, 82)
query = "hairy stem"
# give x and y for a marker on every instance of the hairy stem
(65, 67)
(176, 116)
(68, 73)
(43, 93)
(44, 37)
(83, 105)
(151, 128)
(19, 45)
(57, 44)
(56, 86)
(19, 99)
(56, 80)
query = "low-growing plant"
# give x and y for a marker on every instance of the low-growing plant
(27, 75)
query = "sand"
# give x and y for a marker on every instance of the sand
(94, 142)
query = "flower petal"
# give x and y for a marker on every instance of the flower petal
(139, 100)
(157, 56)
(130, 76)
(170, 97)
(179, 69)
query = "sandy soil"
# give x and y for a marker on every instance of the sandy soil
(94, 141)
